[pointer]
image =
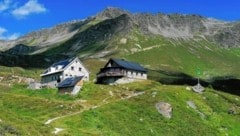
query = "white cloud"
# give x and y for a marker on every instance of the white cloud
(5, 36)
(5, 5)
(31, 7)
(2, 31)
(13, 36)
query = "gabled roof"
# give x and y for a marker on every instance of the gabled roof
(61, 66)
(69, 82)
(63, 63)
(129, 65)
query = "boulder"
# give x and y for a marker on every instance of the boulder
(232, 111)
(191, 104)
(164, 108)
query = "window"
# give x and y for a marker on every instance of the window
(131, 73)
(72, 67)
(141, 74)
(80, 69)
(66, 74)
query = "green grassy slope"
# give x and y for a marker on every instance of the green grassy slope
(26, 111)
(183, 56)
(18, 71)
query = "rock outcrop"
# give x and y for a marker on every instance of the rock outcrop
(165, 109)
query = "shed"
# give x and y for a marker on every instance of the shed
(71, 85)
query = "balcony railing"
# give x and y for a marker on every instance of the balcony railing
(111, 73)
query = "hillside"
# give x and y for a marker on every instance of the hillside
(176, 43)
(171, 46)
(116, 110)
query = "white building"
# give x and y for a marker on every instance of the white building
(64, 69)
(121, 71)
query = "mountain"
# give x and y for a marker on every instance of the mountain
(172, 42)
(168, 25)
(174, 48)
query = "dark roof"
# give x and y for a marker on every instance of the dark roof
(63, 63)
(69, 82)
(129, 65)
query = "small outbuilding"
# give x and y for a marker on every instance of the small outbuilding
(71, 85)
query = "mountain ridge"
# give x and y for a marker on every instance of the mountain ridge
(167, 25)
(173, 39)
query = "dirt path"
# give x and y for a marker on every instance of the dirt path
(57, 130)
(104, 102)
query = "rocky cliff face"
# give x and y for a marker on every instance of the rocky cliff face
(46, 37)
(179, 26)
(171, 26)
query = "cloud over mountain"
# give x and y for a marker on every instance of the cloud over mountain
(31, 7)
(5, 36)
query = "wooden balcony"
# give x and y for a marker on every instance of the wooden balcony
(110, 73)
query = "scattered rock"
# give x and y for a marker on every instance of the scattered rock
(134, 50)
(0, 120)
(47, 60)
(191, 104)
(1, 78)
(188, 88)
(110, 93)
(138, 45)
(232, 111)
(236, 99)
(83, 101)
(123, 41)
(164, 108)
(34, 85)
(154, 94)
(141, 119)
(151, 130)
(57, 130)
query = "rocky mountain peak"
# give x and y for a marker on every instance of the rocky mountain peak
(111, 12)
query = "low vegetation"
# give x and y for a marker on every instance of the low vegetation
(24, 111)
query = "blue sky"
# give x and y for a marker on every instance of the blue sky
(18, 17)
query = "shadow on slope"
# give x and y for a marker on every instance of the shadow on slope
(90, 41)
(226, 84)
(29, 61)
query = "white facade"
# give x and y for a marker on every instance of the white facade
(62, 70)
(135, 74)
(76, 68)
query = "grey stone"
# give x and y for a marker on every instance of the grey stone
(164, 108)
